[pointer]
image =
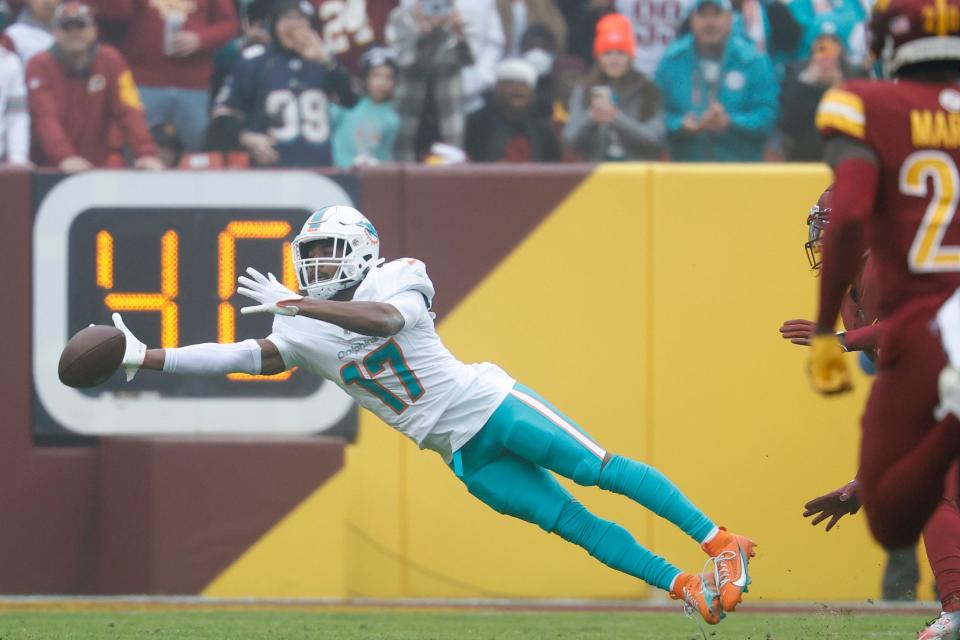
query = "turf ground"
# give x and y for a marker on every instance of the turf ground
(290, 623)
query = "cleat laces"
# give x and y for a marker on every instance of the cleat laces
(708, 582)
(723, 568)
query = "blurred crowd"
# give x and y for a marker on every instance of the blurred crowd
(284, 83)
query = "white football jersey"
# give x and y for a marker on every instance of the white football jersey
(410, 380)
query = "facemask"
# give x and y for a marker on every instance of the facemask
(541, 60)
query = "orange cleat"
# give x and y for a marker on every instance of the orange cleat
(698, 595)
(731, 554)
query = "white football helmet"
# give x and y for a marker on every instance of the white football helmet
(354, 250)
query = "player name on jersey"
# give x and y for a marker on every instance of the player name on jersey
(929, 128)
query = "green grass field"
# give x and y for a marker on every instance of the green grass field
(459, 625)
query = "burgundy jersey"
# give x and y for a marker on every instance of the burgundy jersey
(861, 306)
(860, 311)
(350, 27)
(914, 129)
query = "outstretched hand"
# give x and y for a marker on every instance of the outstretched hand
(271, 295)
(834, 505)
(798, 331)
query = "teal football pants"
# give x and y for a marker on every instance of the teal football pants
(505, 465)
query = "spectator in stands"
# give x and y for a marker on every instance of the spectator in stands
(14, 118)
(430, 40)
(848, 17)
(538, 46)
(774, 30)
(582, 17)
(351, 27)
(78, 91)
(170, 45)
(569, 72)
(802, 90)
(517, 16)
(365, 134)
(720, 93)
(656, 24)
(279, 92)
(617, 113)
(255, 21)
(254, 30)
(32, 33)
(487, 43)
(507, 128)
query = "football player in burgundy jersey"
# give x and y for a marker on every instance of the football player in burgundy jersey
(894, 148)
(861, 320)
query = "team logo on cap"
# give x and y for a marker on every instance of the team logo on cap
(950, 100)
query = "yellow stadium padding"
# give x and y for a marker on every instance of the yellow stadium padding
(646, 306)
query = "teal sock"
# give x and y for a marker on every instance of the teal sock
(653, 490)
(613, 545)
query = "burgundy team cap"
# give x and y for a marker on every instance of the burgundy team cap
(73, 13)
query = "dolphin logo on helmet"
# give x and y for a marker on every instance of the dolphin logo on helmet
(355, 250)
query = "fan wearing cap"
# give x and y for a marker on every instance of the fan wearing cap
(365, 134)
(508, 128)
(616, 113)
(80, 90)
(720, 93)
(281, 93)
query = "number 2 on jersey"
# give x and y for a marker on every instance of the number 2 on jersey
(375, 363)
(927, 253)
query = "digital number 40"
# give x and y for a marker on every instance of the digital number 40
(164, 301)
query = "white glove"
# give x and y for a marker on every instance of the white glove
(268, 292)
(135, 351)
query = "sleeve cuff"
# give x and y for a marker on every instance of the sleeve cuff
(411, 305)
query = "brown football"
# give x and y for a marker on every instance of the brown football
(91, 356)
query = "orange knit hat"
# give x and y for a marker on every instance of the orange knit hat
(614, 33)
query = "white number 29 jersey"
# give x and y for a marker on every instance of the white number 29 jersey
(410, 380)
